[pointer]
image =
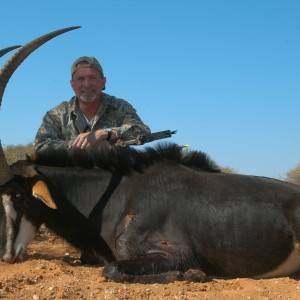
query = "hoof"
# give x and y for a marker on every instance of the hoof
(111, 272)
(193, 275)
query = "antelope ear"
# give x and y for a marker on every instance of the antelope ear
(41, 191)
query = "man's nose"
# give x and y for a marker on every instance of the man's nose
(87, 82)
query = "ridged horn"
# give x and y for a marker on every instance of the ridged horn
(6, 72)
(5, 50)
(11, 65)
(6, 173)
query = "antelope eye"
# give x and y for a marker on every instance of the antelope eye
(18, 195)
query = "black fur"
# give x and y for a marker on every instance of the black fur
(124, 159)
(166, 209)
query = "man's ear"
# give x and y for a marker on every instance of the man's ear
(71, 83)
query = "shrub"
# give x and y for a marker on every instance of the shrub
(228, 170)
(14, 153)
(294, 175)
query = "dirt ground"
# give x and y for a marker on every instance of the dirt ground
(51, 270)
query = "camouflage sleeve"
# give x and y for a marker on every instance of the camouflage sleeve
(57, 132)
(131, 124)
(49, 134)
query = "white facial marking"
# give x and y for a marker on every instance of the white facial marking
(8, 207)
(10, 216)
(27, 232)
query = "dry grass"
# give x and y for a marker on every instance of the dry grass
(14, 153)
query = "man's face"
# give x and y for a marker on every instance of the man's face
(87, 84)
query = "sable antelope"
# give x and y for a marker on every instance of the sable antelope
(153, 215)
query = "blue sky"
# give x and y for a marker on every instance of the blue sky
(224, 73)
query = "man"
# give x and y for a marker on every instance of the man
(91, 116)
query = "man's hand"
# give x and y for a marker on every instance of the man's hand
(88, 140)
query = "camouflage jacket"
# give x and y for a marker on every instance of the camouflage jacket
(64, 122)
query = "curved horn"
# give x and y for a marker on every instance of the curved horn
(11, 65)
(6, 173)
(5, 50)
(6, 72)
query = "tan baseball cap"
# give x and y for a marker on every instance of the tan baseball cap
(86, 62)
